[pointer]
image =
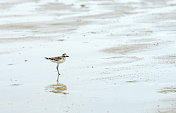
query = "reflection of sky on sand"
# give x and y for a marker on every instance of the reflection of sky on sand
(57, 88)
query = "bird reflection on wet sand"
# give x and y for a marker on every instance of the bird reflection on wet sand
(57, 88)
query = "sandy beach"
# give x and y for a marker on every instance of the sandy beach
(122, 56)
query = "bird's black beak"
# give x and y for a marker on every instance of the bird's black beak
(67, 56)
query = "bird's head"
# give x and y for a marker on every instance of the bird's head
(65, 55)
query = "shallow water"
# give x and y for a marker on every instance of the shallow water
(122, 56)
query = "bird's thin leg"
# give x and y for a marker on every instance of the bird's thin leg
(57, 67)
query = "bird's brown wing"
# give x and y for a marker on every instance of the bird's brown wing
(56, 58)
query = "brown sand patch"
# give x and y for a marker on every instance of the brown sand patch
(46, 27)
(102, 15)
(132, 33)
(124, 59)
(124, 49)
(6, 5)
(167, 111)
(162, 19)
(131, 81)
(10, 64)
(165, 16)
(167, 59)
(61, 40)
(69, 22)
(29, 38)
(55, 6)
(146, 39)
(168, 90)
(106, 15)
(18, 26)
(132, 48)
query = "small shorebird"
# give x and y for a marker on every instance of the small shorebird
(58, 60)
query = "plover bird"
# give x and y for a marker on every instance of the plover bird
(58, 60)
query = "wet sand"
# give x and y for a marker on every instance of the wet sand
(122, 56)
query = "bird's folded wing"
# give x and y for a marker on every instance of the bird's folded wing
(56, 58)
